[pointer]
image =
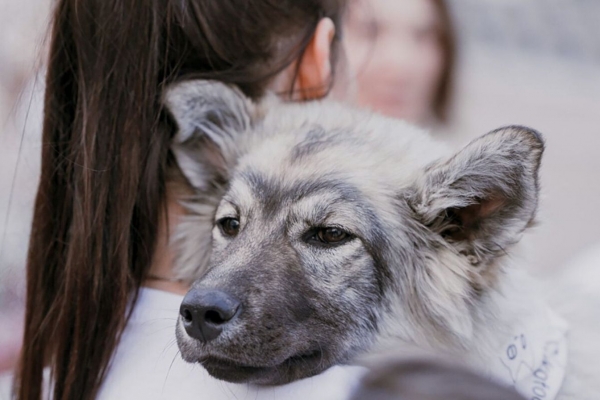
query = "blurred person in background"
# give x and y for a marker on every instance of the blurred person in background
(402, 54)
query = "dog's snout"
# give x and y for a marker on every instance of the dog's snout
(206, 312)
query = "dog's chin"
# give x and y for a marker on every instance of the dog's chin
(294, 368)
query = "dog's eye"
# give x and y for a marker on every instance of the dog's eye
(329, 236)
(229, 226)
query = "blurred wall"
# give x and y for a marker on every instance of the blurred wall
(537, 63)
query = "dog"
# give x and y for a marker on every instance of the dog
(319, 234)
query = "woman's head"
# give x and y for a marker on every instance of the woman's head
(105, 154)
(403, 55)
(249, 43)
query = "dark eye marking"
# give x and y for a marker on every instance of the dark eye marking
(327, 236)
(229, 226)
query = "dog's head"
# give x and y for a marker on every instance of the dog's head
(332, 227)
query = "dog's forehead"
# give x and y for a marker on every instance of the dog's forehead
(270, 194)
(343, 154)
(367, 157)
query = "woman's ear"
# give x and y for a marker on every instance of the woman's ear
(314, 72)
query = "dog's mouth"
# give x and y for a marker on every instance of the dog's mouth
(296, 367)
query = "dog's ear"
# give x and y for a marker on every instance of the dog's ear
(210, 117)
(484, 197)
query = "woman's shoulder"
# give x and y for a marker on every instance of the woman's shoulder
(147, 364)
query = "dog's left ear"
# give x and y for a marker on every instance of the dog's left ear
(483, 198)
(211, 117)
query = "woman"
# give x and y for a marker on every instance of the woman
(98, 231)
(403, 54)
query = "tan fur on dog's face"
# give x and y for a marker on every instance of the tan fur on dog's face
(421, 232)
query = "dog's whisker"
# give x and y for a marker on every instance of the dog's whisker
(169, 370)
(169, 346)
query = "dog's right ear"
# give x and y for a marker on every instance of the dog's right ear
(485, 196)
(210, 117)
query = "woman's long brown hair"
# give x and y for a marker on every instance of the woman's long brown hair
(105, 155)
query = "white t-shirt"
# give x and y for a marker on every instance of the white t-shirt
(147, 365)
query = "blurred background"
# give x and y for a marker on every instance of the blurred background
(529, 62)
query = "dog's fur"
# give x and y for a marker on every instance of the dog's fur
(426, 262)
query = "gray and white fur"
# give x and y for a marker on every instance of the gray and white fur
(424, 259)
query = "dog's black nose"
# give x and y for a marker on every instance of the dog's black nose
(206, 312)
